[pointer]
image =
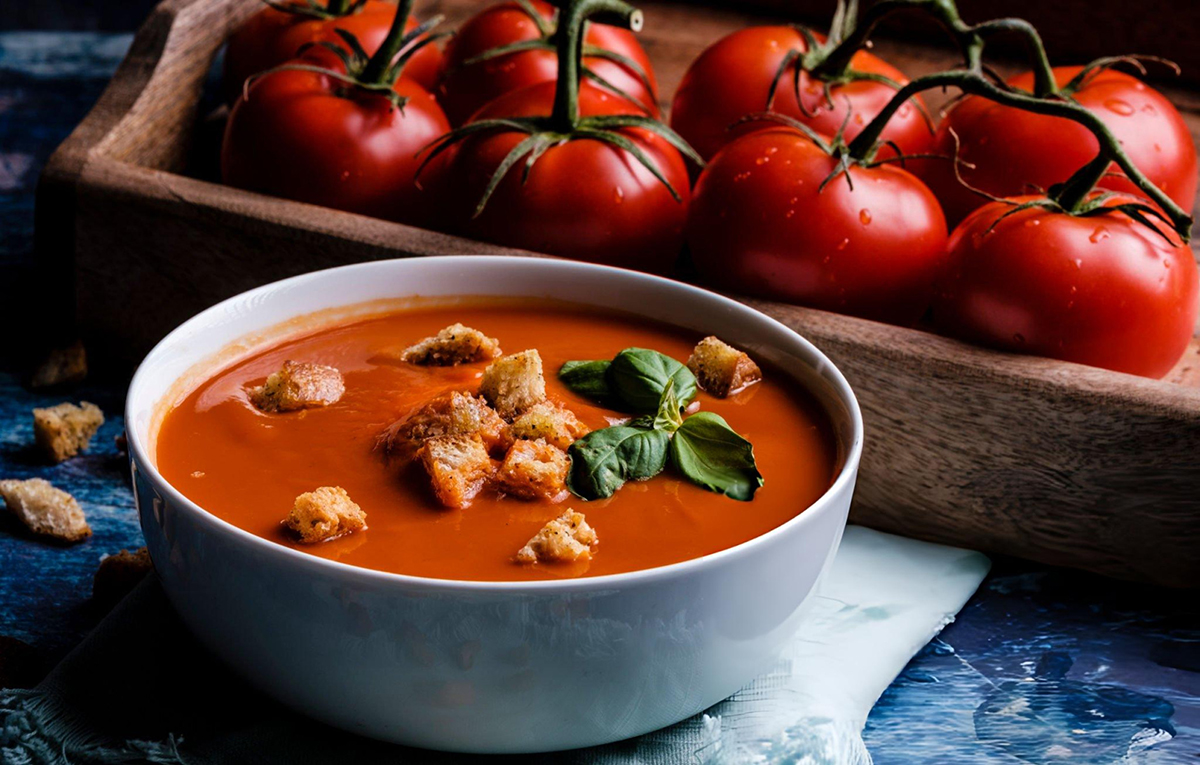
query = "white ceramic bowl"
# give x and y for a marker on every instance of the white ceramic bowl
(486, 666)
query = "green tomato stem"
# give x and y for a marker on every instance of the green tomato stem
(1079, 185)
(568, 40)
(337, 8)
(376, 70)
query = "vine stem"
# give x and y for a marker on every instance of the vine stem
(337, 7)
(1079, 185)
(568, 40)
(836, 63)
(376, 70)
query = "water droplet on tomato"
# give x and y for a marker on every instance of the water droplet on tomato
(1099, 235)
(761, 160)
(618, 195)
(1166, 264)
(982, 140)
(345, 175)
(827, 258)
(741, 176)
(1117, 106)
(772, 149)
(858, 119)
(1149, 109)
(903, 111)
(842, 245)
(1157, 148)
(864, 215)
(790, 214)
(1079, 263)
(1032, 222)
(793, 200)
(1074, 289)
(1018, 338)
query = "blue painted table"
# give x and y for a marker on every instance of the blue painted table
(1042, 666)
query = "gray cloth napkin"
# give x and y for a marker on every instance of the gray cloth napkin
(141, 689)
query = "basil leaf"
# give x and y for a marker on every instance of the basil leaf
(711, 454)
(603, 460)
(587, 378)
(668, 417)
(639, 375)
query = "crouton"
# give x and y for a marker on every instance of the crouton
(451, 414)
(118, 574)
(458, 466)
(453, 345)
(564, 539)
(721, 369)
(62, 431)
(298, 385)
(535, 470)
(323, 514)
(45, 510)
(513, 384)
(552, 421)
(62, 366)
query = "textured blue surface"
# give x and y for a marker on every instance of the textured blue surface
(1042, 667)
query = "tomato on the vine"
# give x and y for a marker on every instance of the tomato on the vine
(583, 199)
(733, 77)
(1008, 152)
(1103, 290)
(469, 82)
(773, 216)
(337, 132)
(275, 35)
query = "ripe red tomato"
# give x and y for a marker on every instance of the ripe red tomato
(305, 136)
(733, 77)
(583, 199)
(272, 37)
(760, 224)
(464, 89)
(1016, 152)
(1104, 290)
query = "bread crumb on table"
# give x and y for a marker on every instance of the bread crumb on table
(552, 421)
(118, 574)
(451, 414)
(514, 384)
(64, 430)
(45, 510)
(566, 538)
(535, 470)
(62, 366)
(324, 513)
(458, 466)
(721, 369)
(298, 385)
(456, 344)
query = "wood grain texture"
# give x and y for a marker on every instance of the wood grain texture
(1055, 462)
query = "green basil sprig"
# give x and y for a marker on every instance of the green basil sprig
(702, 447)
(633, 380)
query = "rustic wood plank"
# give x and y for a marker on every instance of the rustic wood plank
(1056, 462)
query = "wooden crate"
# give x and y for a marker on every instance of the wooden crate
(1055, 462)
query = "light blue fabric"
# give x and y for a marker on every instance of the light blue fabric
(139, 690)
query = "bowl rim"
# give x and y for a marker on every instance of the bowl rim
(820, 363)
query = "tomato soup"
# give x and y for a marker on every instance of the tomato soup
(247, 467)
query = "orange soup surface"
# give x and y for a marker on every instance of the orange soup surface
(248, 467)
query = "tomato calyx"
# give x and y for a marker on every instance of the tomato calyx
(548, 39)
(564, 123)
(333, 9)
(375, 74)
(1091, 69)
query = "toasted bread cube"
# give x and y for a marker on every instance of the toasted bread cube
(552, 421)
(566, 538)
(535, 470)
(298, 385)
(62, 431)
(325, 513)
(514, 384)
(722, 369)
(458, 466)
(118, 574)
(453, 345)
(451, 414)
(62, 366)
(45, 510)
